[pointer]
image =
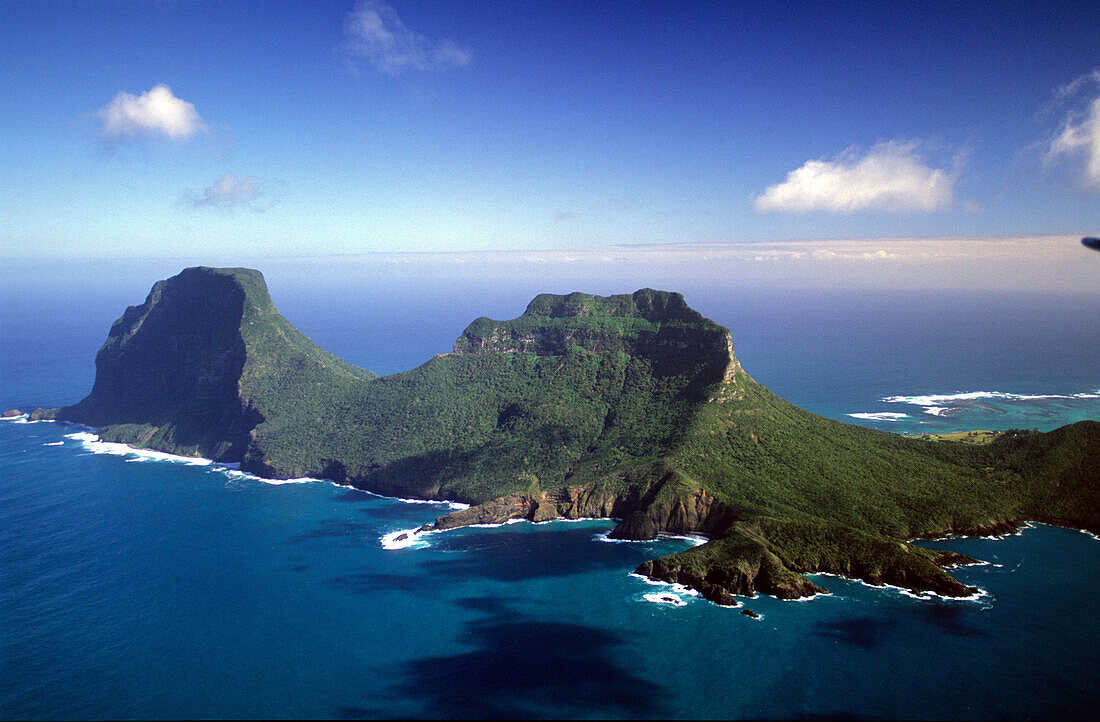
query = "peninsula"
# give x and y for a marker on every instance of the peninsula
(631, 407)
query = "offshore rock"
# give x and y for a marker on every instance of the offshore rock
(635, 527)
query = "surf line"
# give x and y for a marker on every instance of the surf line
(90, 441)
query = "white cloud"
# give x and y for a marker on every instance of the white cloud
(377, 34)
(155, 113)
(1078, 139)
(226, 193)
(890, 177)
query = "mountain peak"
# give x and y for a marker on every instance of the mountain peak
(653, 306)
(647, 323)
(583, 406)
(190, 368)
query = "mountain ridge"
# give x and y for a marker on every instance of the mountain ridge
(613, 406)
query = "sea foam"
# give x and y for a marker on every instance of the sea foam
(941, 400)
(922, 596)
(880, 416)
(677, 589)
(412, 539)
(92, 443)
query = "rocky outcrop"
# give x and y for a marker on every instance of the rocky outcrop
(168, 373)
(631, 407)
(742, 575)
(188, 370)
(637, 526)
(647, 322)
(665, 506)
(771, 556)
(990, 528)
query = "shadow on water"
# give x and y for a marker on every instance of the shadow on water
(863, 632)
(404, 514)
(835, 715)
(515, 556)
(521, 667)
(353, 496)
(872, 632)
(950, 617)
(367, 583)
(487, 605)
(333, 528)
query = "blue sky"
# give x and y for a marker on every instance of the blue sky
(235, 129)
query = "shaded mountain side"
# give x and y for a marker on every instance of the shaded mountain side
(584, 406)
(203, 361)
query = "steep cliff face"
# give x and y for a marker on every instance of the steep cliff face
(185, 371)
(630, 406)
(168, 373)
(655, 324)
(668, 505)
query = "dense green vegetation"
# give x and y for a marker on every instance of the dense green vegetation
(582, 406)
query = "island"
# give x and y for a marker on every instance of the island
(631, 407)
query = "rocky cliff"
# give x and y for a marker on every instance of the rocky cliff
(183, 371)
(646, 322)
(631, 407)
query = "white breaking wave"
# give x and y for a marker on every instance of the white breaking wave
(923, 596)
(405, 539)
(939, 401)
(677, 589)
(92, 443)
(809, 597)
(24, 419)
(568, 520)
(605, 536)
(234, 475)
(880, 416)
(694, 539)
(277, 482)
(665, 598)
(456, 505)
(494, 526)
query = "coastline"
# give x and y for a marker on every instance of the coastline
(87, 436)
(411, 538)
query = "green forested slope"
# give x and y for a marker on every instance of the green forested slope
(582, 406)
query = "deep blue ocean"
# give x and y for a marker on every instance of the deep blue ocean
(132, 587)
